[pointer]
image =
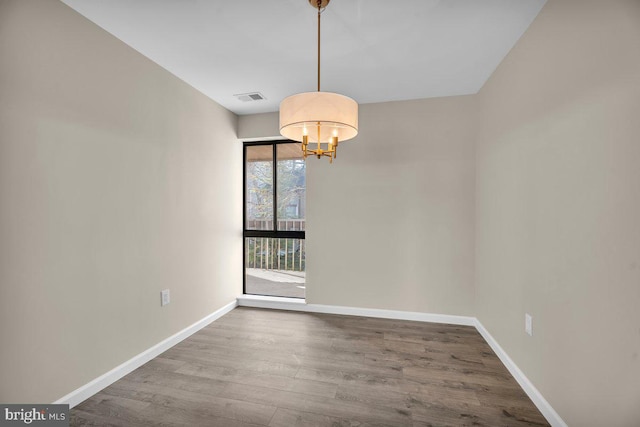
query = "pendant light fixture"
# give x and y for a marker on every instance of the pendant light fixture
(319, 120)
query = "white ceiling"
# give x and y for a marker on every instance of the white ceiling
(372, 50)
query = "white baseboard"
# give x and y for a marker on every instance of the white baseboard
(79, 395)
(541, 403)
(295, 304)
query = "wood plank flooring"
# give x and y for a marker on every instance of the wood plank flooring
(257, 367)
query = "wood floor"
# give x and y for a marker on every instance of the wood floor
(258, 367)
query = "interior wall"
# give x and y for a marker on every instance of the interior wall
(390, 224)
(117, 180)
(558, 207)
(264, 126)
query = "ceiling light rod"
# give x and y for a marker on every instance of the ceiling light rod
(334, 116)
(320, 10)
(333, 144)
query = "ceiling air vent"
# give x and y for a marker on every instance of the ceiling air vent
(253, 96)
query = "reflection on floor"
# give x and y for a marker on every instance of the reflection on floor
(278, 283)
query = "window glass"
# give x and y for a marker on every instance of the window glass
(259, 187)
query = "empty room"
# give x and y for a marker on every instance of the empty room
(320, 213)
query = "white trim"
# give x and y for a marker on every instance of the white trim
(86, 391)
(295, 304)
(275, 303)
(541, 403)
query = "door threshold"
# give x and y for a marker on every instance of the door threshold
(278, 303)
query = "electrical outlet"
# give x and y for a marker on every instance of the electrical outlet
(165, 298)
(528, 324)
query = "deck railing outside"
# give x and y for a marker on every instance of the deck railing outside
(275, 254)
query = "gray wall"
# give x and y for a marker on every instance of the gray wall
(558, 208)
(117, 180)
(555, 210)
(390, 222)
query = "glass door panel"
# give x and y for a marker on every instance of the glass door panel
(274, 247)
(275, 267)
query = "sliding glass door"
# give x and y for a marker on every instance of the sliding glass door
(274, 219)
